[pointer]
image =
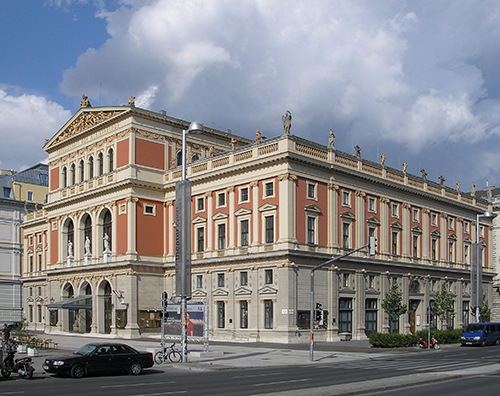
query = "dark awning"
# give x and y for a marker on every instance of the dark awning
(81, 302)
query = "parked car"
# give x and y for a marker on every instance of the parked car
(481, 334)
(100, 358)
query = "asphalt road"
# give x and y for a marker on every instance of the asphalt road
(424, 371)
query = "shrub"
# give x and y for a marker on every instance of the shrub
(392, 340)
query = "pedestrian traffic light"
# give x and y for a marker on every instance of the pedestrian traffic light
(372, 246)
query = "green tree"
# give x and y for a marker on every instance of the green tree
(393, 305)
(484, 311)
(443, 305)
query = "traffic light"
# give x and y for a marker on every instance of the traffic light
(319, 312)
(372, 246)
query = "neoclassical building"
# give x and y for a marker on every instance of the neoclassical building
(264, 213)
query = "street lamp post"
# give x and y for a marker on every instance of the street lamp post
(183, 239)
(477, 267)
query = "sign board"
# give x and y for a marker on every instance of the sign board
(183, 238)
(197, 315)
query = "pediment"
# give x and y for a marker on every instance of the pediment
(268, 290)
(220, 293)
(243, 291)
(198, 220)
(313, 208)
(417, 230)
(435, 233)
(373, 220)
(30, 250)
(220, 216)
(452, 237)
(348, 216)
(468, 240)
(267, 207)
(243, 212)
(83, 120)
(30, 299)
(199, 293)
(397, 225)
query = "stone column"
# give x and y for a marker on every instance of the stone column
(333, 216)
(254, 231)
(131, 226)
(287, 190)
(359, 307)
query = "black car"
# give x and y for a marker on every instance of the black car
(99, 358)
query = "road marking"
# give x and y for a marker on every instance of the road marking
(136, 384)
(283, 382)
(162, 393)
(256, 375)
(12, 393)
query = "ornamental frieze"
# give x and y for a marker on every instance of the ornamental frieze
(85, 121)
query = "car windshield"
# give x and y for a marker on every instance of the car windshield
(475, 328)
(86, 349)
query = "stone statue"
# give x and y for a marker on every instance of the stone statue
(382, 161)
(358, 151)
(287, 122)
(87, 245)
(405, 165)
(258, 134)
(441, 180)
(424, 174)
(233, 142)
(458, 186)
(70, 249)
(473, 189)
(106, 242)
(85, 101)
(131, 101)
(211, 151)
(331, 140)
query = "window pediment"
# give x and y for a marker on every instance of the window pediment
(199, 293)
(268, 207)
(268, 290)
(220, 216)
(243, 291)
(373, 220)
(313, 208)
(468, 240)
(397, 225)
(436, 234)
(416, 230)
(220, 292)
(348, 216)
(243, 212)
(198, 220)
(452, 237)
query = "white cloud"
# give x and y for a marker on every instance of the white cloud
(25, 122)
(409, 72)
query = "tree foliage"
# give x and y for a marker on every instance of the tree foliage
(484, 311)
(443, 305)
(393, 303)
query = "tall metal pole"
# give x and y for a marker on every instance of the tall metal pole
(185, 226)
(478, 270)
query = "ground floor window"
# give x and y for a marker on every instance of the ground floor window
(121, 318)
(268, 314)
(465, 313)
(345, 315)
(54, 317)
(244, 314)
(149, 319)
(370, 315)
(221, 315)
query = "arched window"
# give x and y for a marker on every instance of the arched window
(179, 158)
(64, 177)
(195, 158)
(110, 160)
(91, 167)
(100, 165)
(81, 171)
(72, 175)
(106, 227)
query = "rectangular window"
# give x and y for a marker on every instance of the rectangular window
(345, 235)
(30, 196)
(221, 315)
(220, 280)
(311, 190)
(244, 194)
(451, 223)
(415, 215)
(244, 314)
(345, 282)
(370, 315)
(200, 239)
(199, 281)
(434, 219)
(269, 231)
(346, 198)
(244, 278)
(39, 258)
(30, 316)
(466, 227)
(269, 189)
(39, 239)
(311, 229)
(6, 192)
(371, 282)
(434, 249)
(31, 240)
(268, 314)
(150, 210)
(221, 233)
(415, 246)
(269, 276)
(244, 240)
(221, 199)
(200, 204)
(345, 315)
(451, 248)
(465, 313)
(371, 204)
(466, 254)
(31, 263)
(395, 210)
(395, 242)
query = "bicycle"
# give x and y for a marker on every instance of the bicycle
(170, 353)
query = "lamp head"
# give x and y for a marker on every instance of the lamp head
(489, 215)
(195, 127)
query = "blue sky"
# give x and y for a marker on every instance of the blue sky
(415, 80)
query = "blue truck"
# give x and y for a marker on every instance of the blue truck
(481, 334)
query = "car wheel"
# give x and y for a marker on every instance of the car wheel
(497, 342)
(5, 373)
(77, 371)
(483, 343)
(135, 368)
(159, 358)
(175, 356)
